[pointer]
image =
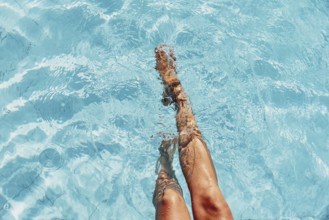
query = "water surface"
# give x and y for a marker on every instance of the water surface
(80, 110)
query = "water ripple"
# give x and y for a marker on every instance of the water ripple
(80, 108)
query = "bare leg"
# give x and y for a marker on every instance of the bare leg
(167, 198)
(207, 199)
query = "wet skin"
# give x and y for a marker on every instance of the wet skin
(207, 199)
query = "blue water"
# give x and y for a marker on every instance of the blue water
(81, 117)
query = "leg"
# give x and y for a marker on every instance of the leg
(207, 199)
(167, 197)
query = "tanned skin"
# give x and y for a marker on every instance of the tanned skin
(207, 199)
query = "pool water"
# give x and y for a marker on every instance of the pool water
(81, 117)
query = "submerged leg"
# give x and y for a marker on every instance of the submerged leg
(167, 198)
(207, 200)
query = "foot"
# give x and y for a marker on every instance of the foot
(167, 150)
(165, 64)
(166, 175)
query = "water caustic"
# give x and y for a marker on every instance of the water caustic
(81, 112)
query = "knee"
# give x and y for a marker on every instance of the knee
(213, 204)
(171, 198)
